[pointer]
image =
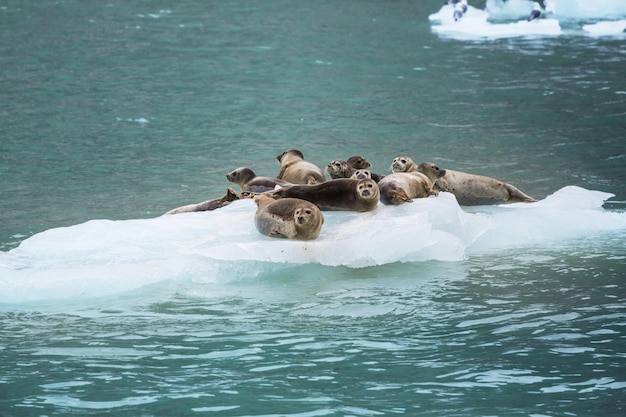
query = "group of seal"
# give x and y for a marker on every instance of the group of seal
(403, 187)
(469, 189)
(290, 205)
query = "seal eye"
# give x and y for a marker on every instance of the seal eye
(307, 211)
(337, 164)
(403, 161)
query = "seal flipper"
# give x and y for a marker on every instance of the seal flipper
(516, 196)
(400, 196)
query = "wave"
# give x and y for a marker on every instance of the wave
(103, 257)
(506, 19)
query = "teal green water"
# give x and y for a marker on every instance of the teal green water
(124, 110)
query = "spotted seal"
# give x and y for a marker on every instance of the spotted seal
(288, 218)
(230, 196)
(247, 180)
(294, 169)
(469, 189)
(341, 194)
(403, 187)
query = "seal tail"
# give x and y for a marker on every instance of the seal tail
(516, 196)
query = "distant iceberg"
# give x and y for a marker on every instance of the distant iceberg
(475, 24)
(606, 28)
(507, 19)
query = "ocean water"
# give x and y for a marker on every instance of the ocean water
(112, 113)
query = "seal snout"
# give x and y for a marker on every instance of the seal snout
(301, 215)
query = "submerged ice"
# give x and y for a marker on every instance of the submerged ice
(102, 257)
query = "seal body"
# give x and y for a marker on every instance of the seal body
(248, 181)
(342, 194)
(214, 204)
(294, 169)
(287, 218)
(473, 190)
(535, 13)
(458, 12)
(403, 187)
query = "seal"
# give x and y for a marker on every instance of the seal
(341, 194)
(346, 169)
(535, 13)
(403, 187)
(358, 162)
(475, 190)
(287, 218)
(470, 189)
(403, 163)
(361, 174)
(458, 12)
(294, 169)
(248, 181)
(339, 169)
(208, 205)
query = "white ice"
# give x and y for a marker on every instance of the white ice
(102, 257)
(508, 19)
(606, 28)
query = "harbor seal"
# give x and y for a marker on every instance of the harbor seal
(339, 169)
(458, 12)
(247, 180)
(358, 162)
(535, 13)
(403, 164)
(470, 189)
(294, 169)
(475, 190)
(341, 194)
(361, 174)
(403, 187)
(344, 169)
(287, 218)
(214, 204)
